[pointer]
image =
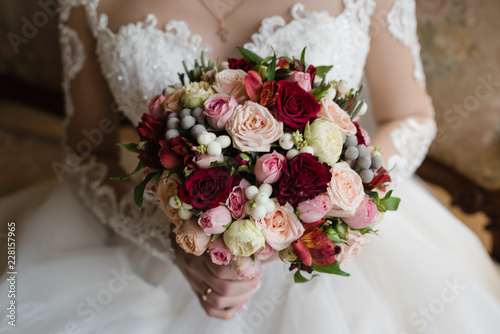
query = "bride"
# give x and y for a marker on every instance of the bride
(90, 262)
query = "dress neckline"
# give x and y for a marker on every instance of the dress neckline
(297, 11)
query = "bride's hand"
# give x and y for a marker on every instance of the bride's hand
(228, 292)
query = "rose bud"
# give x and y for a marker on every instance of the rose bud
(219, 253)
(269, 167)
(241, 159)
(214, 221)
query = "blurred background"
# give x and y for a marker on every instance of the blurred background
(461, 54)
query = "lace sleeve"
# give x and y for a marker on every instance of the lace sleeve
(88, 101)
(402, 107)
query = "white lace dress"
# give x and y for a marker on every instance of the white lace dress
(427, 273)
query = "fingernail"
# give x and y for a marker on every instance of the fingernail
(240, 310)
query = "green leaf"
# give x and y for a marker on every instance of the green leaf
(271, 69)
(364, 230)
(220, 164)
(139, 190)
(298, 278)
(320, 92)
(140, 166)
(303, 55)
(391, 204)
(373, 195)
(132, 147)
(334, 268)
(322, 70)
(249, 55)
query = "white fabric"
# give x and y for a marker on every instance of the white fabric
(426, 274)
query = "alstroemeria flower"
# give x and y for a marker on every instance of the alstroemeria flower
(254, 85)
(314, 247)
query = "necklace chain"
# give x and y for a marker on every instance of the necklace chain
(221, 10)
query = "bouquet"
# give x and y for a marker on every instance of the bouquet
(260, 156)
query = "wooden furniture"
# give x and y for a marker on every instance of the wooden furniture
(467, 195)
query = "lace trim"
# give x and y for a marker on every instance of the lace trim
(73, 58)
(148, 228)
(402, 24)
(411, 141)
(348, 31)
(133, 74)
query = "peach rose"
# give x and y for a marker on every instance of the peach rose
(166, 189)
(351, 250)
(345, 190)
(281, 227)
(312, 210)
(191, 238)
(246, 267)
(253, 128)
(231, 82)
(172, 102)
(332, 112)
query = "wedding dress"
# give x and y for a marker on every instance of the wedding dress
(426, 273)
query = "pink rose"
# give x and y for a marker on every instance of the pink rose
(219, 253)
(191, 238)
(366, 214)
(351, 250)
(231, 82)
(218, 109)
(345, 190)
(280, 227)
(253, 128)
(172, 102)
(332, 112)
(214, 221)
(264, 253)
(269, 167)
(155, 107)
(303, 79)
(204, 160)
(246, 267)
(236, 200)
(314, 209)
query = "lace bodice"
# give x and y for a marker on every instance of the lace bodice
(140, 59)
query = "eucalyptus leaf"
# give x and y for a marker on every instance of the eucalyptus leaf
(249, 55)
(132, 147)
(322, 70)
(139, 190)
(140, 166)
(334, 268)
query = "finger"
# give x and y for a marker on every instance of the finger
(224, 272)
(224, 314)
(227, 302)
(231, 288)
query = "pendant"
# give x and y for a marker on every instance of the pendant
(220, 10)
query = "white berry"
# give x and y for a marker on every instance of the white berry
(270, 206)
(286, 141)
(251, 192)
(331, 93)
(204, 138)
(307, 149)
(214, 149)
(212, 135)
(173, 202)
(259, 212)
(185, 214)
(224, 141)
(248, 208)
(261, 199)
(343, 87)
(291, 154)
(266, 189)
(364, 108)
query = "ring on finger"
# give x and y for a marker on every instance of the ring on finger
(205, 294)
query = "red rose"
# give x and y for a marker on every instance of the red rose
(304, 177)
(173, 152)
(240, 64)
(314, 247)
(294, 106)
(208, 188)
(151, 132)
